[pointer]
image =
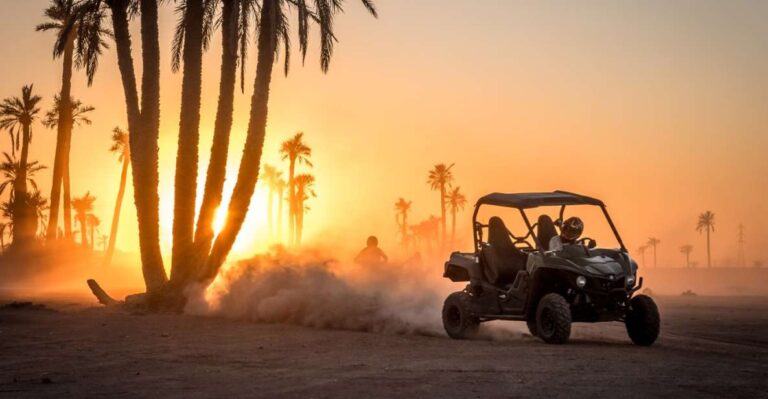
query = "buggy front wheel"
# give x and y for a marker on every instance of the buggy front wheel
(553, 319)
(458, 322)
(642, 320)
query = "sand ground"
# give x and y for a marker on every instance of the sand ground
(710, 347)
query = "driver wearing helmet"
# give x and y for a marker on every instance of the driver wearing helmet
(570, 231)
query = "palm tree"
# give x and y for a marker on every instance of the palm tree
(16, 116)
(707, 223)
(10, 170)
(304, 190)
(143, 115)
(273, 30)
(187, 46)
(280, 185)
(402, 207)
(641, 249)
(93, 223)
(122, 148)
(103, 239)
(653, 242)
(83, 206)
(687, 249)
(457, 201)
(79, 42)
(236, 21)
(269, 176)
(78, 116)
(440, 179)
(296, 152)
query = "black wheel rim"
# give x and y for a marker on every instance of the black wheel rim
(546, 322)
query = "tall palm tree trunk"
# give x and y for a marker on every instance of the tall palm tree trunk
(24, 224)
(453, 226)
(280, 215)
(299, 223)
(654, 256)
(687, 259)
(189, 138)
(442, 211)
(92, 243)
(217, 166)
(83, 232)
(144, 129)
(249, 165)
(116, 214)
(67, 200)
(709, 253)
(291, 201)
(64, 123)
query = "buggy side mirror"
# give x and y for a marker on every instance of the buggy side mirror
(591, 244)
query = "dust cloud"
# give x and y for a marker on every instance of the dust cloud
(314, 289)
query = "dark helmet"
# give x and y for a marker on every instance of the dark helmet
(373, 241)
(572, 229)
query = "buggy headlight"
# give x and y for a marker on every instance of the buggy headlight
(581, 281)
(630, 281)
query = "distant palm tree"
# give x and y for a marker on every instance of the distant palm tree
(103, 239)
(16, 116)
(707, 223)
(78, 117)
(641, 249)
(93, 223)
(402, 207)
(280, 185)
(79, 42)
(39, 204)
(653, 242)
(456, 201)
(82, 207)
(10, 169)
(687, 249)
(121, 147)
(295, 151)
(269, 176)
(440, 179)
(304, 190)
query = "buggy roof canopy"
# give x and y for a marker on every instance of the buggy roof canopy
(533, 200)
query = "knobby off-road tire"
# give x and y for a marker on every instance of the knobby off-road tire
(643, 321)
(458, 322)
(553, 319)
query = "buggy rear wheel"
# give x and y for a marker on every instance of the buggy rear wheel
(458, 322)
(553, 319)
(642, 320)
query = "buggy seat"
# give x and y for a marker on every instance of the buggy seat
(502, 259)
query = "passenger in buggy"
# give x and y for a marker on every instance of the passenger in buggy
(570, 231)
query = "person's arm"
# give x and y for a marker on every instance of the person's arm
(383, 256)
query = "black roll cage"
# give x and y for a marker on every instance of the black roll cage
(478, 227)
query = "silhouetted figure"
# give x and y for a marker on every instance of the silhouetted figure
(371, 254)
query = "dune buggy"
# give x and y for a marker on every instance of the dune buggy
(519, 277)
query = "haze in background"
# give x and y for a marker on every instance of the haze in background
(658, 108)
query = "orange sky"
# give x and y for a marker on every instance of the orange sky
(657, 107)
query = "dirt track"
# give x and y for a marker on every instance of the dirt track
(710, 347)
